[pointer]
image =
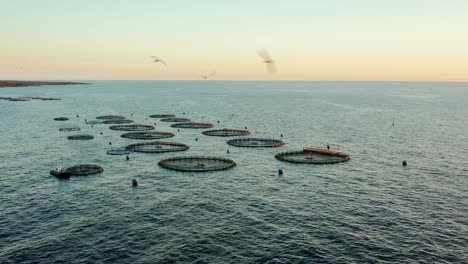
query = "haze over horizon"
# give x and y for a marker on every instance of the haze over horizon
(332, 40)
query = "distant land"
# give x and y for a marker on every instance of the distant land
(4, 84)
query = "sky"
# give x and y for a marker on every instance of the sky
(328, 40)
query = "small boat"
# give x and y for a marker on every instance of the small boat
(61, 174)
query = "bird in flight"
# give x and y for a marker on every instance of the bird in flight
(270, 63)
(209, 75)
(156, 60)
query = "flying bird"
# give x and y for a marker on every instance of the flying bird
(156, 60)
(270, 63)
(209, 75)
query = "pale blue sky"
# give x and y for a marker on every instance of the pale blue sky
(336, 40)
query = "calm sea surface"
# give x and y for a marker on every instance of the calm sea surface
(368, 210)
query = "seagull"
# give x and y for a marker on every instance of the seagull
(270, 63)
(209, 75)
(156, 60)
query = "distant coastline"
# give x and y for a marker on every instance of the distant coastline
(6, 84)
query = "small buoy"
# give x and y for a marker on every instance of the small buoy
(280, 171)
(404, 163)
(134, 182)
(131, 114)
(218, 121)
(86, 120)
(227, 151)
(281, 135)
(246, 127)
(328, 146)
(110, 143)
(196, 139)
(92, 125)
(183, 113)
(128, 157)
(77, 116)
(101, 133)
(178, 130)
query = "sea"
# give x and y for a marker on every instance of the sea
(370, 209)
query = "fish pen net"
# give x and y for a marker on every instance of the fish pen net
(84, 169)
(117, 121)
(157, 147)
(255, 142)
(312, 157)
(108, 117)
(68, 129)
(192, 125)
(148, 135)
(226, 132)
(61, 118)
(132, 127)
(175, 119)
(94, 122)
(197, 164)
(80, 137)
(162, 116)
(118, 151)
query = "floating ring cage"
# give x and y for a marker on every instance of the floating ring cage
(41, 98)
(197, 164)
(192, 125)
(117, 121)
(157, 147)
(175, 119)
(147, 135)
(132, 127)
(61, 118)
(84, 169)
(118, 151)
(312, 157)
(226, 132)
(162, 116)
(81, 137)
(255, 142)
(14, 99)
(108, 117)
(68, 129)
(94, 122)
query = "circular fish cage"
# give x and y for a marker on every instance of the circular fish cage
(192, 125)
(162, 116)
(81, 137)
(108, 117)
(256, 142)
(197, 164)
(312, 157)
(132, 127)
(68, 129)
(226, 132)
(157, 147)
(94, 122)
(84, 169)
(175, 119)
(117, 121)
(148, 135)
(118, 151)
(61, 118)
